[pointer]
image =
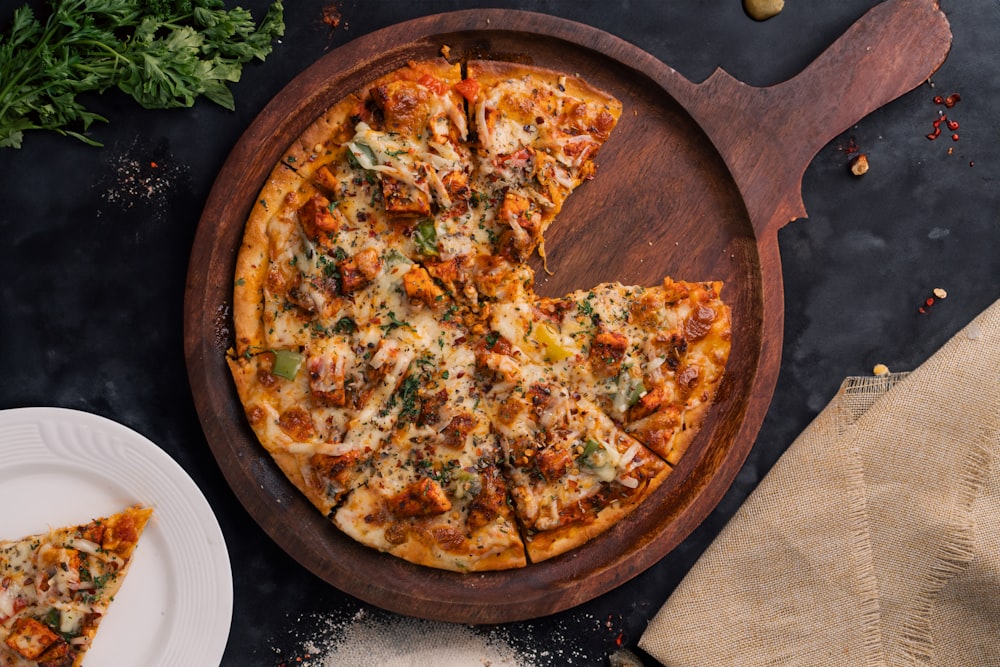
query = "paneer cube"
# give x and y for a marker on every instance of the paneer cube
(424, 497)
(360, 270)
(29, 637)
(403, 200)
(419, 286)
(607, 351)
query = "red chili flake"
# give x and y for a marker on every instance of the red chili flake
(153, 165)
(331, 15)
(925, 307)
(948, 102)
(937, 128)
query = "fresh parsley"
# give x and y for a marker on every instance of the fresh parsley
(163, 53)
(394, 323)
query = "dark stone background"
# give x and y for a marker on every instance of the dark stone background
(94, 245)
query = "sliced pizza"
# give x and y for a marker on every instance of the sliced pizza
(391, 354)
(56, 587)
(650, 357)
(538, 132)
(573, 472)
(435, 495)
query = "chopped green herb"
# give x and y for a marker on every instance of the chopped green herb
(345, 325)
(163, 53)
(394, 323)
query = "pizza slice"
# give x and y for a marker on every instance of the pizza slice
(414, 139)
(651, 358)
(56, 587)
(538, 132)
(435, 495)
(573, 472)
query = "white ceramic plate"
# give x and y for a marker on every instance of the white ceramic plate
(63, 467)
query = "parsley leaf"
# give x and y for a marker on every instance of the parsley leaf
(394, 323)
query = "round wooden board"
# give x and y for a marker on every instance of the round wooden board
(663, 202)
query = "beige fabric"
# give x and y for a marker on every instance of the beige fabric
(874, 540)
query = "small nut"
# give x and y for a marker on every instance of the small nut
(859, 165)
(940, 293)
(761, 10)
(880, 370)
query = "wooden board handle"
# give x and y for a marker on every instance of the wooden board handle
(768, 136)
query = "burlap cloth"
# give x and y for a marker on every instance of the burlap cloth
(874, 540)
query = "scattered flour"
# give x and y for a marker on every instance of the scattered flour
(373, 638)
(368, 639)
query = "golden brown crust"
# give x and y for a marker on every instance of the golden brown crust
(489, 72)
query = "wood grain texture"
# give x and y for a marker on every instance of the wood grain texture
(694, 183)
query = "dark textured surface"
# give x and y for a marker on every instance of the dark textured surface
(94, 247)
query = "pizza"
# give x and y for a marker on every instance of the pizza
(391, 353)
(55, 588)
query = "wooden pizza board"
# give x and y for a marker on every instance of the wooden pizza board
(695, 183)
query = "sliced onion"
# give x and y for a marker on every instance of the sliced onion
(630, 482)
(629, 455)
(86, 546)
